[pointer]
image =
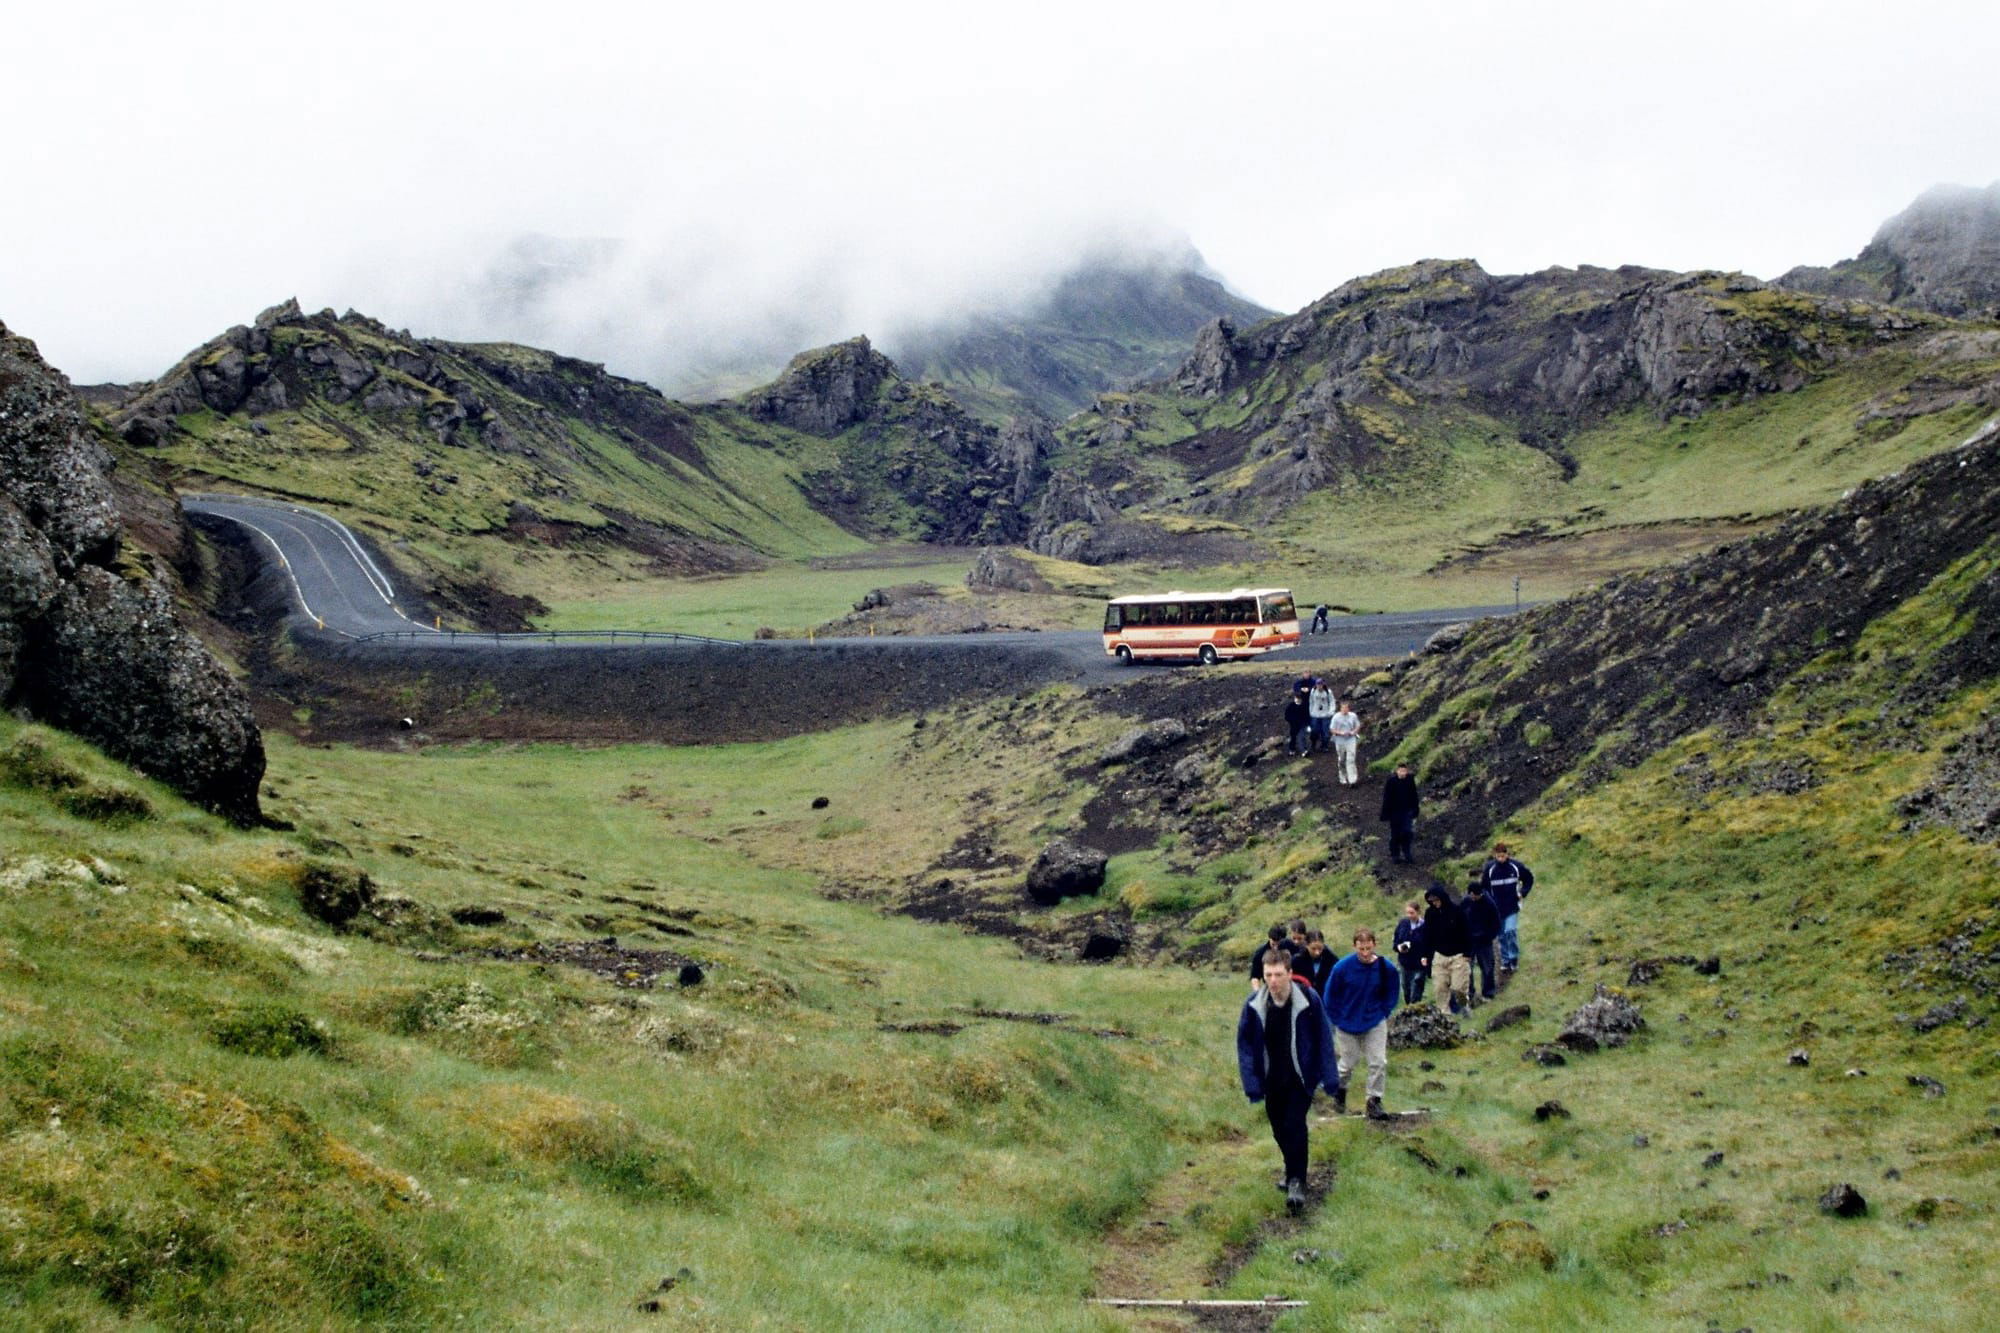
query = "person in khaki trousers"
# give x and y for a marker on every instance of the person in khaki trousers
(1360, 995)
(1450, 949)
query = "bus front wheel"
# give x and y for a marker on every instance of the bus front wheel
(1124, 655)
(1207, 654)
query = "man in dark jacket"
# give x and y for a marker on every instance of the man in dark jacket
(1279, 937)
(1444, 936)
(1413, 960)
(1298, 724)
(1360, 996)
(1508, 883)
(1284, 1050)
(1482, 928)
(1399, 812)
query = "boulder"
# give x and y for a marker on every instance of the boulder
(1423, 1027)
(1843, 1200)
(1552, 1110)
(88, 637)
(1448, 638)
(1606, 1019)
(1065, 869)
(335, 894)
(1162, 733)
(1102, 944)
(1002, 571)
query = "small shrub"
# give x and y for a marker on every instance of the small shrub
(29, 763)
(273, 1031)
(105, 804)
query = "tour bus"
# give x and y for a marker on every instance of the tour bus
(1206, 626)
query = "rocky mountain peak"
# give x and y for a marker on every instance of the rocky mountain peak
(1941, 254)
(826, 390)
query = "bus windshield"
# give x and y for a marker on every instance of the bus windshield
(1279, 608)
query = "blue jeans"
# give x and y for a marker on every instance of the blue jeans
(1322, 735)
(1510, 942)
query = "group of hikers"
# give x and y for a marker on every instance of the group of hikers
(1317, 721)
(1311, 1018)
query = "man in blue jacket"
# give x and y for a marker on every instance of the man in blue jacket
(1360, 996)
(1284, 1051)
(1508, 884)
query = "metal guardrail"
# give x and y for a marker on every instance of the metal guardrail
(544, 636)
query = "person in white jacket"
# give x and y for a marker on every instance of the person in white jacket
(1346, 730)
(1319, 707)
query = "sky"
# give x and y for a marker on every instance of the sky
(781, 174)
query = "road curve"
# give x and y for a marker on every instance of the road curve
(339, 588)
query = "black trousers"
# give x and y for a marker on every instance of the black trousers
(1402, 833)
(1482, 958)
(1413, 984)
(1286, 1106)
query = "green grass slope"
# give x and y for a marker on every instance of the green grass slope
(485, 464)
(216, 1110)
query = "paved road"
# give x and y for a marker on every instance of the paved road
(338, 587)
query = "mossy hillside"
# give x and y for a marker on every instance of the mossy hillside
(544, 1146)
(1685, 1185)
(557, 473)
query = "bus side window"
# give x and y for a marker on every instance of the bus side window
(1113, 619)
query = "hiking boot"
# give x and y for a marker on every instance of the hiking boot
(1375, 1111)
(1295, 1195)
(1340, 1101)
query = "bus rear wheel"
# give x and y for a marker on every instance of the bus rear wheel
(1123, 653)
(1206, 655)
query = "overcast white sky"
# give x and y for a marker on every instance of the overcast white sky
(170, 170)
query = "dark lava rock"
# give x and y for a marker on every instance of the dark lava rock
(1446, 639)
(1510, 1016)
(821, 802)
(1709, 966)
(1606, 1019)
(1646, 971)
(1065, 869)
(1937, 1017)
(1552, 1110)
(1641, 1141)
(1799, 1057)
(1160, 734)
(1710, 1162)
(1423, 1027)
(690, 975)
(476, 915)
(88, 637)
(1545, 1055)
(1100, 945)
(1931, 1087)
(335, 894)
(1843, 1200)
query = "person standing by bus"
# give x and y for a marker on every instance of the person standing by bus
(1319, 708)
(1346, 729)
(1319, 618)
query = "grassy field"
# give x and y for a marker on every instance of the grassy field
(214, 1106)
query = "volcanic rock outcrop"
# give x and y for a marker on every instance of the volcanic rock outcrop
(88, 637)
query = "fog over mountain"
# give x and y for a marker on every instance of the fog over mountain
(699, 314)
(778, 176)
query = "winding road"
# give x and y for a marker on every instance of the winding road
(338, 587)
